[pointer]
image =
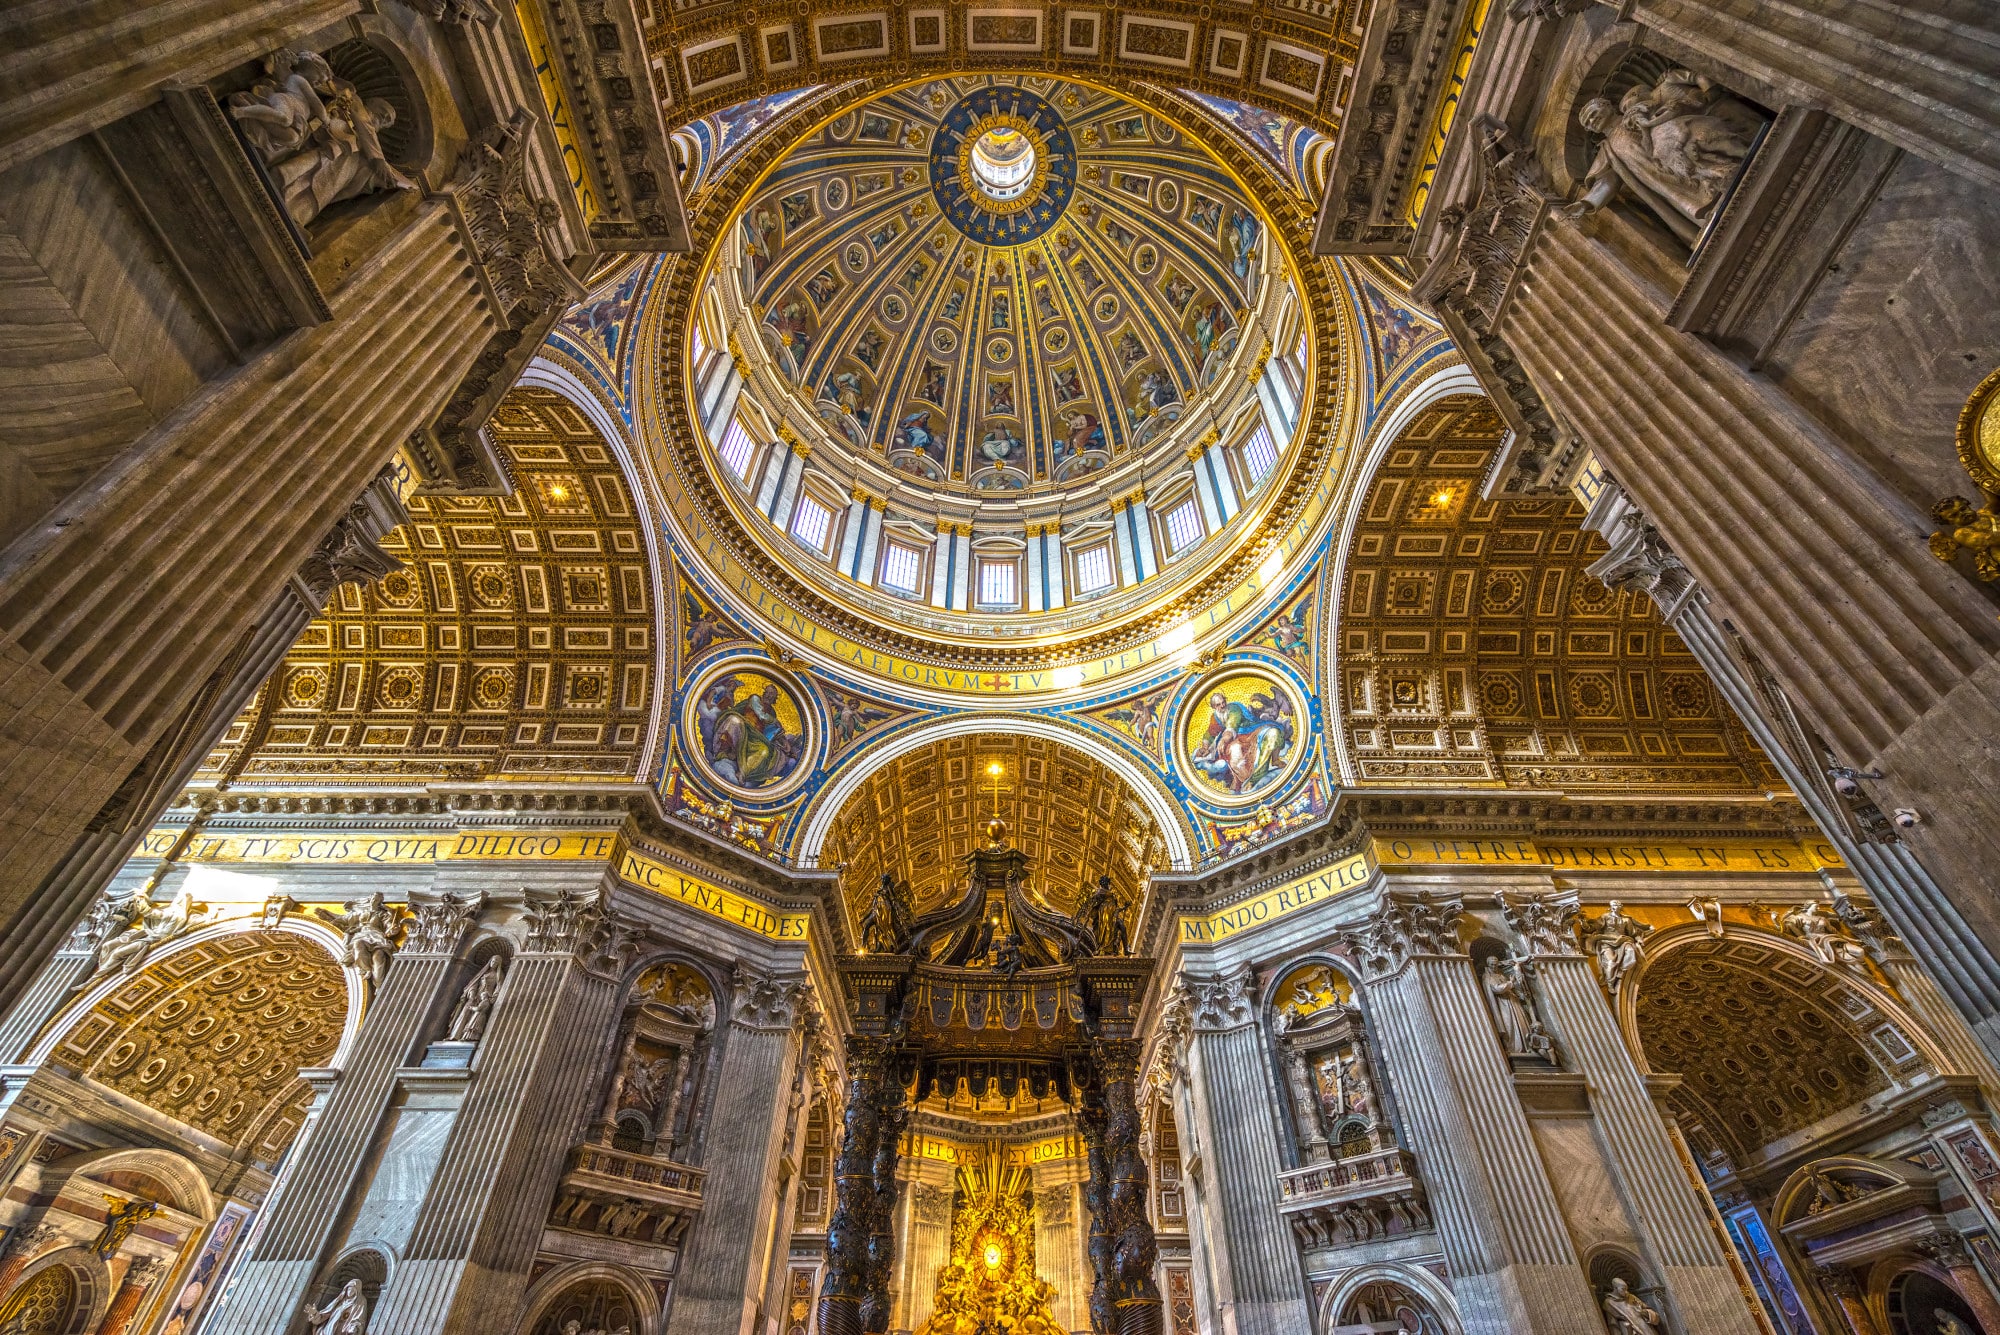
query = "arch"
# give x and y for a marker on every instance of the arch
(1415, 1280)
(317, 932)
(88, 1290)
(187, 1188)
(541, 373)
(545, 1300)
(217, 1042)
(1839, 1036)
(1167, 814)
(1441, 382)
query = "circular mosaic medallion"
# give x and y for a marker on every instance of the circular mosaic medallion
(749, 729)
(944, 340)
(1002, 166)
(1241, 735)
(998, 350)
(1056, 341)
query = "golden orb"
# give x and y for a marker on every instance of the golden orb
(996, 832)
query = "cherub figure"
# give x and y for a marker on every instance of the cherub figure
(1975, 531)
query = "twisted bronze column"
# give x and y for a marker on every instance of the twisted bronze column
(848, 1233)
(1102, 1245)
(892, 1116)
(1134, 1294)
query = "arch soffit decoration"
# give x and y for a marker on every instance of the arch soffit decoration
(1442, 381)
(672, 445)
(93, 1284)
(1169, 819)
(541, 373)
(1414, 1278)
(318, 933)
(1670, 940)
(517, 641)
(715, 59)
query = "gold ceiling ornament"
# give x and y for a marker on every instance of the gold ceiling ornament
(1004, 125)
(1474, 646)
(1970, 528)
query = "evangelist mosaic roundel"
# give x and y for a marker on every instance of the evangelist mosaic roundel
(749, 730)
(1240, 735)
(1003, 166)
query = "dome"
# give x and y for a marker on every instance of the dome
(997, 309)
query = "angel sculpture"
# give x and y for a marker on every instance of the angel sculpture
(136, 926)
(369, 935)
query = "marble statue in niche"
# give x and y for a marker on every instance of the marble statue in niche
(347, 1314)
(317, 137)
(1624, 1314)
(475, 1005)
(1510, 994)
(1673, 147)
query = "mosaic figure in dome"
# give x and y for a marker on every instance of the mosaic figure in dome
(750, 730)
(1246, 738)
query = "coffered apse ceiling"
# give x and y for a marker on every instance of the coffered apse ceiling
(918, 816)
(1475, 646)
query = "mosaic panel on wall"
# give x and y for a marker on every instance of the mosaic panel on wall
(1473, 645)
(518, 639)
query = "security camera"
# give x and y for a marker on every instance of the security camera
(1845, 785)
(1907, 818)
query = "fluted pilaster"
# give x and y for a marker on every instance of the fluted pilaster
(1666, 1213)
(1263, 1289)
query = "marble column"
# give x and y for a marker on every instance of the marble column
(724, 1259)
(140, 1276)
(1058, 1245)
(845, 1283)
(1641, 560)
(1261, 1288)
(1889, 654)
(1513, 1263)
(924, 1213)
(349, 554)
(100, 653)
(534, 1086)
(1666, 1212)
(329, 1159)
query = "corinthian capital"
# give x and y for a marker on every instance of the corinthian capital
(1541, 920)
(436, 927)
(765, 1001)
(579, 924)
(1640, 558)
(1219, 1001)
(1407, 927)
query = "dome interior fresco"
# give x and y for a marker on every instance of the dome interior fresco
(1007, 366)
(917, 816)
(965, 356)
